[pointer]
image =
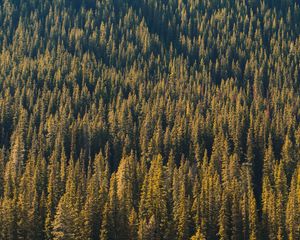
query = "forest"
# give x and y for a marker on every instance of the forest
(149, 120)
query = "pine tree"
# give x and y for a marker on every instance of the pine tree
(54, 194)
(288, 157)
(153, 204)
(281, 198)
(198, 236)
(182, 212)
(14, 166)
(269, 159)
(224, 218)
(64, 224)
(111, 227)
(9, 228)
(97, 193)
(236, 218)
(293, 205)
(67, 220)
(253, 220)
(196, 210)
(2, 168)
(133, 225)
(268, 213)
(211, 195)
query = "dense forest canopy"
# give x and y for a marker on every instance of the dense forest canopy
(149, 119)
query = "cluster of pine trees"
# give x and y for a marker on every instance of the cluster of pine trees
(149, 119)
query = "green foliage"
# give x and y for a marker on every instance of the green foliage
(149, 119)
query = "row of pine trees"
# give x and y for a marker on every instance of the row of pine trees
(203, 200)
(149, 120)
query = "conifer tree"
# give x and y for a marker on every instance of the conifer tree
(293, 204)
(288, 157)
(153, 204)
(198, 236)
